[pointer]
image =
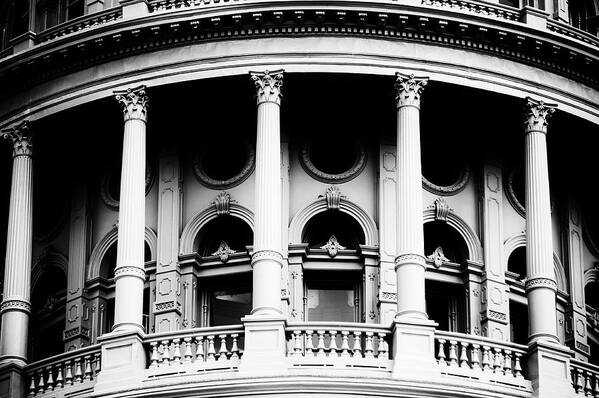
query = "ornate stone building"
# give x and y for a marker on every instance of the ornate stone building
(231, 198)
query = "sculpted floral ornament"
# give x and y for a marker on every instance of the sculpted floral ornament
(223, 252)
(408, 89)
(332, 246)
(21, 137)
(268, 86)
(438, 257)
(333, 197)
(134, 102)
(441, 210)
(222, 203)
(536, 115)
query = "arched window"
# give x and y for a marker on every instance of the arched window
(48, 302)
(591, 294)
(437, 235)
(333, 272)
(225, 279)
(516, 263)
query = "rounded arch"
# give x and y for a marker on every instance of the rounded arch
(193, 227)
(517, 241)
(301, 218)
(95, 260)
(475, 250)
(49, 258)
(591, 275)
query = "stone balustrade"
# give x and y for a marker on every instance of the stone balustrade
(65, 374)
(482, 8)
(585, 378)
(338, 344)
(480, 358)
(81, 23)
(193, 350)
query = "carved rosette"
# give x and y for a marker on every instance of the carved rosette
(408, 89)
(268, 86)
(134, 102)
(223, 252)
(438, 257)
(332, 246)
(21, 137)
(537, 114)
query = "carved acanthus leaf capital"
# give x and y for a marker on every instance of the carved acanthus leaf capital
(134, 102)
(536, 115)
(408, 89)
(268, 86)
(21, 136)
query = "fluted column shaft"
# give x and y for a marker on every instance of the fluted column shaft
(16, 307)
(267, 259)
(129, 272)
(540, 283)
(409, 263)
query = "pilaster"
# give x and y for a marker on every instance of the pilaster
(16, 307)
(77, 331)
(495, 296)
(576, 331)
(168, 305)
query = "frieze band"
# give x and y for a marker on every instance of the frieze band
(540, 282)
(130, 271)
(267, 255)
(410, 259)
(15, 305)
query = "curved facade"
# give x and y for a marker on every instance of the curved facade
(279, 198)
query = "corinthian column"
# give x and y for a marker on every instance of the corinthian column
(267, 259)
(16, 307)
(410, 262)
(540, 282)
(129, 273)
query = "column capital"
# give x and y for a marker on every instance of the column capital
(21, 136)
(134, 102)
(268, 86)
(408, 89)
(536, 115)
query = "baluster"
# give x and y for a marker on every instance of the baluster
(78, 371)
(464, 354)
(595, 386)
(234, 346)
(507, 364)
(222, 352)
(211, 350)
(166, 352)
(344, 344)
(486, 360)
(517, 365)
(154, 357)
(297, 343)
(357, 344)
(176, 351)
(187, 356)
(309, 343)
(68, 377)
(50, 380)
(98, 368)
(475, 356)
(334, 346)
(199, 348)
(441, 352)
(453, 358)
(578, 381)
(40, 383)
(498, 363)
(321, 347)
(587, 384)
(369, 350)
(383, 353)
(59, 379)
(87, 373)
(31, 386)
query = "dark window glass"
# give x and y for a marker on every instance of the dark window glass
(518, 322)
(332, 296)
(228, 306)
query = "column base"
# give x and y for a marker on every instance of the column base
(265, 345)
(123, 362)
(12, 380)
(414, 349)
(549, 369)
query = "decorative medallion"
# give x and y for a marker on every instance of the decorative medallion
(332, 246)
(203, 170)
(307, 162)
(106, 191)
(438, 257)
(223, 252)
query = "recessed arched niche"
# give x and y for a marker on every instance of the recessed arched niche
(331, 223)
(438, 234)
(516, 263)
(224, 229)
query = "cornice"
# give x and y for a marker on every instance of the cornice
(437, 25)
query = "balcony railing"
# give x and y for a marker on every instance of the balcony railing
(66, 374)
(483, 8)
(326, 344)
(81, 23)
(481, 358)
(585, 378)
(194, 350)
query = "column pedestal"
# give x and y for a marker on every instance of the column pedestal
(548, 368)
(12, 382)
(265, 345)
(414, 350)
